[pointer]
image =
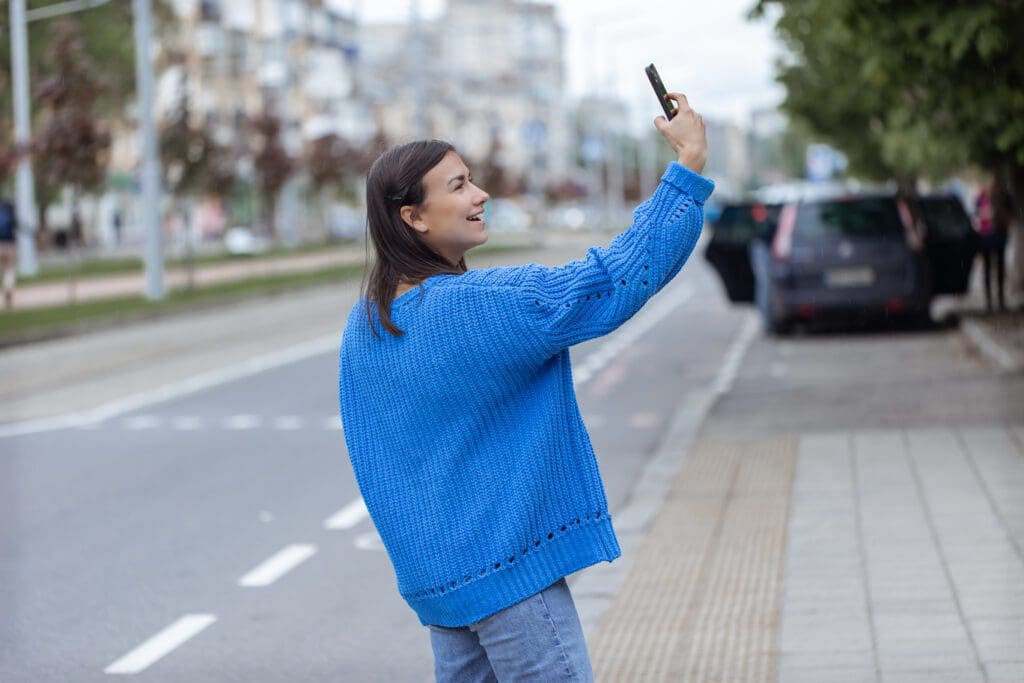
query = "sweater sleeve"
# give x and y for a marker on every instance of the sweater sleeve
(590, 297)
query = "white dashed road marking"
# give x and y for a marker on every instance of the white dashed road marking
(287, 423)
(162, 643)
(348, 516)
(140, 422)
(187, 423)
(240, 422)
(369, 541)
(278, 565)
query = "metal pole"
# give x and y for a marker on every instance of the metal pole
(24, 186)
(419, 85)
(150, 165)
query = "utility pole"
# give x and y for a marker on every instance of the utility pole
(149, 170)
(419, 84)
(24, 185)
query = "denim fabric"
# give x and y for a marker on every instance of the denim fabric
(538, 639)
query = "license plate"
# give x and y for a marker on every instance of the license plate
(850, 277)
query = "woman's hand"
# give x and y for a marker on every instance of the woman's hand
(685, 132)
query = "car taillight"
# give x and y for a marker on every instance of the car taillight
(782, 245)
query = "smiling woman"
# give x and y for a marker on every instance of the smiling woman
(462, 426)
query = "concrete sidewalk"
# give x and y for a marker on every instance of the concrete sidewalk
(871, 556)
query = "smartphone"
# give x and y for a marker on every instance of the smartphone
(659, 90)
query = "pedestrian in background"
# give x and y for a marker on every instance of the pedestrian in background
(459, 412)
(8, 250)
(992, 222)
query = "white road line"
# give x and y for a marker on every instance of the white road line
(348, 516)
(369, 541)
(287, 423)
(253, 366)
(141, 422)
(240, 422)
(332, 423)
(619, 340)
(162, 643)
(278, 565)
(187, 423)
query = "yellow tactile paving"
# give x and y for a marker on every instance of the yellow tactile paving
(701, 601)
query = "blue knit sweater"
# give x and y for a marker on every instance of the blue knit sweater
(464, 433)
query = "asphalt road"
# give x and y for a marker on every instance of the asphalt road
(216, 535)
(141, 542)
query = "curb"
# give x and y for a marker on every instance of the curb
(595, 588)
(985, 342)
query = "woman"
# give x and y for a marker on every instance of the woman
(991, 220)
(459, 412)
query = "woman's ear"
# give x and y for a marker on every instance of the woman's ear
(412, 218)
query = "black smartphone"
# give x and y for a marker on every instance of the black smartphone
(659, 90)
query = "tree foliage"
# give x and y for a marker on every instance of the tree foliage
(908, 87)
(70, 145)
(107, 34)
(273, 164)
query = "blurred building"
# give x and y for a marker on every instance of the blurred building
(233, 57)
(493, 78)
(729, 161)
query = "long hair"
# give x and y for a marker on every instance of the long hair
(396, 180)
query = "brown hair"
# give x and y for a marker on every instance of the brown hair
(396, 180)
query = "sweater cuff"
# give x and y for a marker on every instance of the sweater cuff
(693, 184)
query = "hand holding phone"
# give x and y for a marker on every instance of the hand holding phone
(682, 127)
(659, 90)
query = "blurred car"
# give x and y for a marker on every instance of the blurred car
(735, 227)
(848, 257)
(842, 255)
(951, 243)
(242, 241)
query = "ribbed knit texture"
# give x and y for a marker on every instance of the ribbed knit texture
(464, 433)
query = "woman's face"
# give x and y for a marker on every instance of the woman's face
(450, 218)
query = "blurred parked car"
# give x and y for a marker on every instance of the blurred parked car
(951, 243)
(735, 227)
(241, 241)
(846, 256)
(842, 258)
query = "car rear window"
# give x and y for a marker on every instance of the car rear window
(740, 223)
(945, 217)
(865, 217)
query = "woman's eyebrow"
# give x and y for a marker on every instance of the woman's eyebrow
(458, 177)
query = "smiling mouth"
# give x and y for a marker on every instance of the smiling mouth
(476, 219)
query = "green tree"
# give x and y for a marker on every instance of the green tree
(70, 145)
(908, 88)
(107, 33)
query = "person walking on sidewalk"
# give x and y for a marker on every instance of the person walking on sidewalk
(459, 412)
(8, 250)
(992, 220)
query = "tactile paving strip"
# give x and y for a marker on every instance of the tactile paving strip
(701, 601)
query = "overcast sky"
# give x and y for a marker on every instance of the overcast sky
(708, 50)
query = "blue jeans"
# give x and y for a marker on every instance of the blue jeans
(538, 639)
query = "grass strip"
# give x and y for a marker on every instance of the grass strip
(20, 326)
(33, 324)
(86, 267)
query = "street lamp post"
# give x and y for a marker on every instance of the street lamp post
(24, 189)
(150, 169)
(24, 185)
